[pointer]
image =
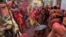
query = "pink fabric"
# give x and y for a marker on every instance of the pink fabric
(9, 3)
(21, 21)
(32, 15)
(4, 12)
(24, 35)
(24, 6)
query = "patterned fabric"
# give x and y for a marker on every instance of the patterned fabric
(19, 18)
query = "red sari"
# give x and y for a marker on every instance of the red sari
(34, 15)
(20, 21)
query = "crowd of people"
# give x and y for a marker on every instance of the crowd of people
(16, 16)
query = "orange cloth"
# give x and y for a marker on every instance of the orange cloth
(4, 11)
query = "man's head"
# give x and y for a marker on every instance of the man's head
(54, 7)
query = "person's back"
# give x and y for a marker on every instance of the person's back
(58, 30)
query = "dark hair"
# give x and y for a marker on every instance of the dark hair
(51, 7)
(54, 7)
(60, 17)
(58, 7)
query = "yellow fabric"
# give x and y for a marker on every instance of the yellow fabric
(6, 9)
(10, 22)
(32, 22)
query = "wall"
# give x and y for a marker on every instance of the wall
(54, 2)
(63, 4)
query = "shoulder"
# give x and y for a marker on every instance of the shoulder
(56, 26)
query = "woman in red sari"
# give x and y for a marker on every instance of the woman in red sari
(20, 20)
(34, 17)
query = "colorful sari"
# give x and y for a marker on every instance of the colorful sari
(19, 20)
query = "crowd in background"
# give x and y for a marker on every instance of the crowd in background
(22, 15)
